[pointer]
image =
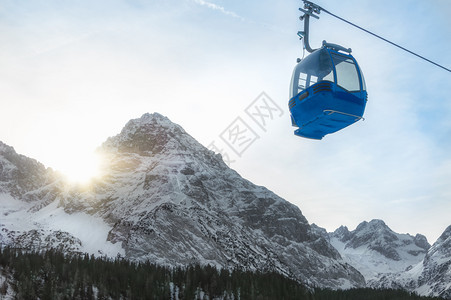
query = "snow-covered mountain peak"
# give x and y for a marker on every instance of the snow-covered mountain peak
(377, 236)
(421, 241)
(342, 234)
(19, 174)
(149, 135)
(373, 225)
(154, 144)
(446, 235)
(4, 148)
(441, 248)
(8, 154)
(151, 120)
(376, 250)
(374, 234)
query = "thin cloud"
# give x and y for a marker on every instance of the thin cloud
(218, 8)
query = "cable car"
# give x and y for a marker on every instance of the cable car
(327, 92)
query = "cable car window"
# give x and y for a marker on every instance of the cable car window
(302, 82)
(305, 81)
(313, 80)
(347, 75)
(314, 68)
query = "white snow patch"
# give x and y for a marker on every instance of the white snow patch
(13, 214)
(90, 230)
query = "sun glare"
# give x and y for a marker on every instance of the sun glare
(80, 169)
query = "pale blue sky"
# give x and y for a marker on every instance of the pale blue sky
(74, 72)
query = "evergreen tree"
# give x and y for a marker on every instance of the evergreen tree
(53, 275)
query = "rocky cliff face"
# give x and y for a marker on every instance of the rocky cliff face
(167, 199)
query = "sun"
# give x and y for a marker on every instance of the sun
(67, 145)
(80, 168)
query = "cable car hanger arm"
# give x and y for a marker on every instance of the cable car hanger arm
(310, 9)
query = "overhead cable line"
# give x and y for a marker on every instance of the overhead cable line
(378, 36)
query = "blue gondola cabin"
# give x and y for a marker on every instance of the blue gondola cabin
(327, 92)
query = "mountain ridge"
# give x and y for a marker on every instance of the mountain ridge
(168, 199)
